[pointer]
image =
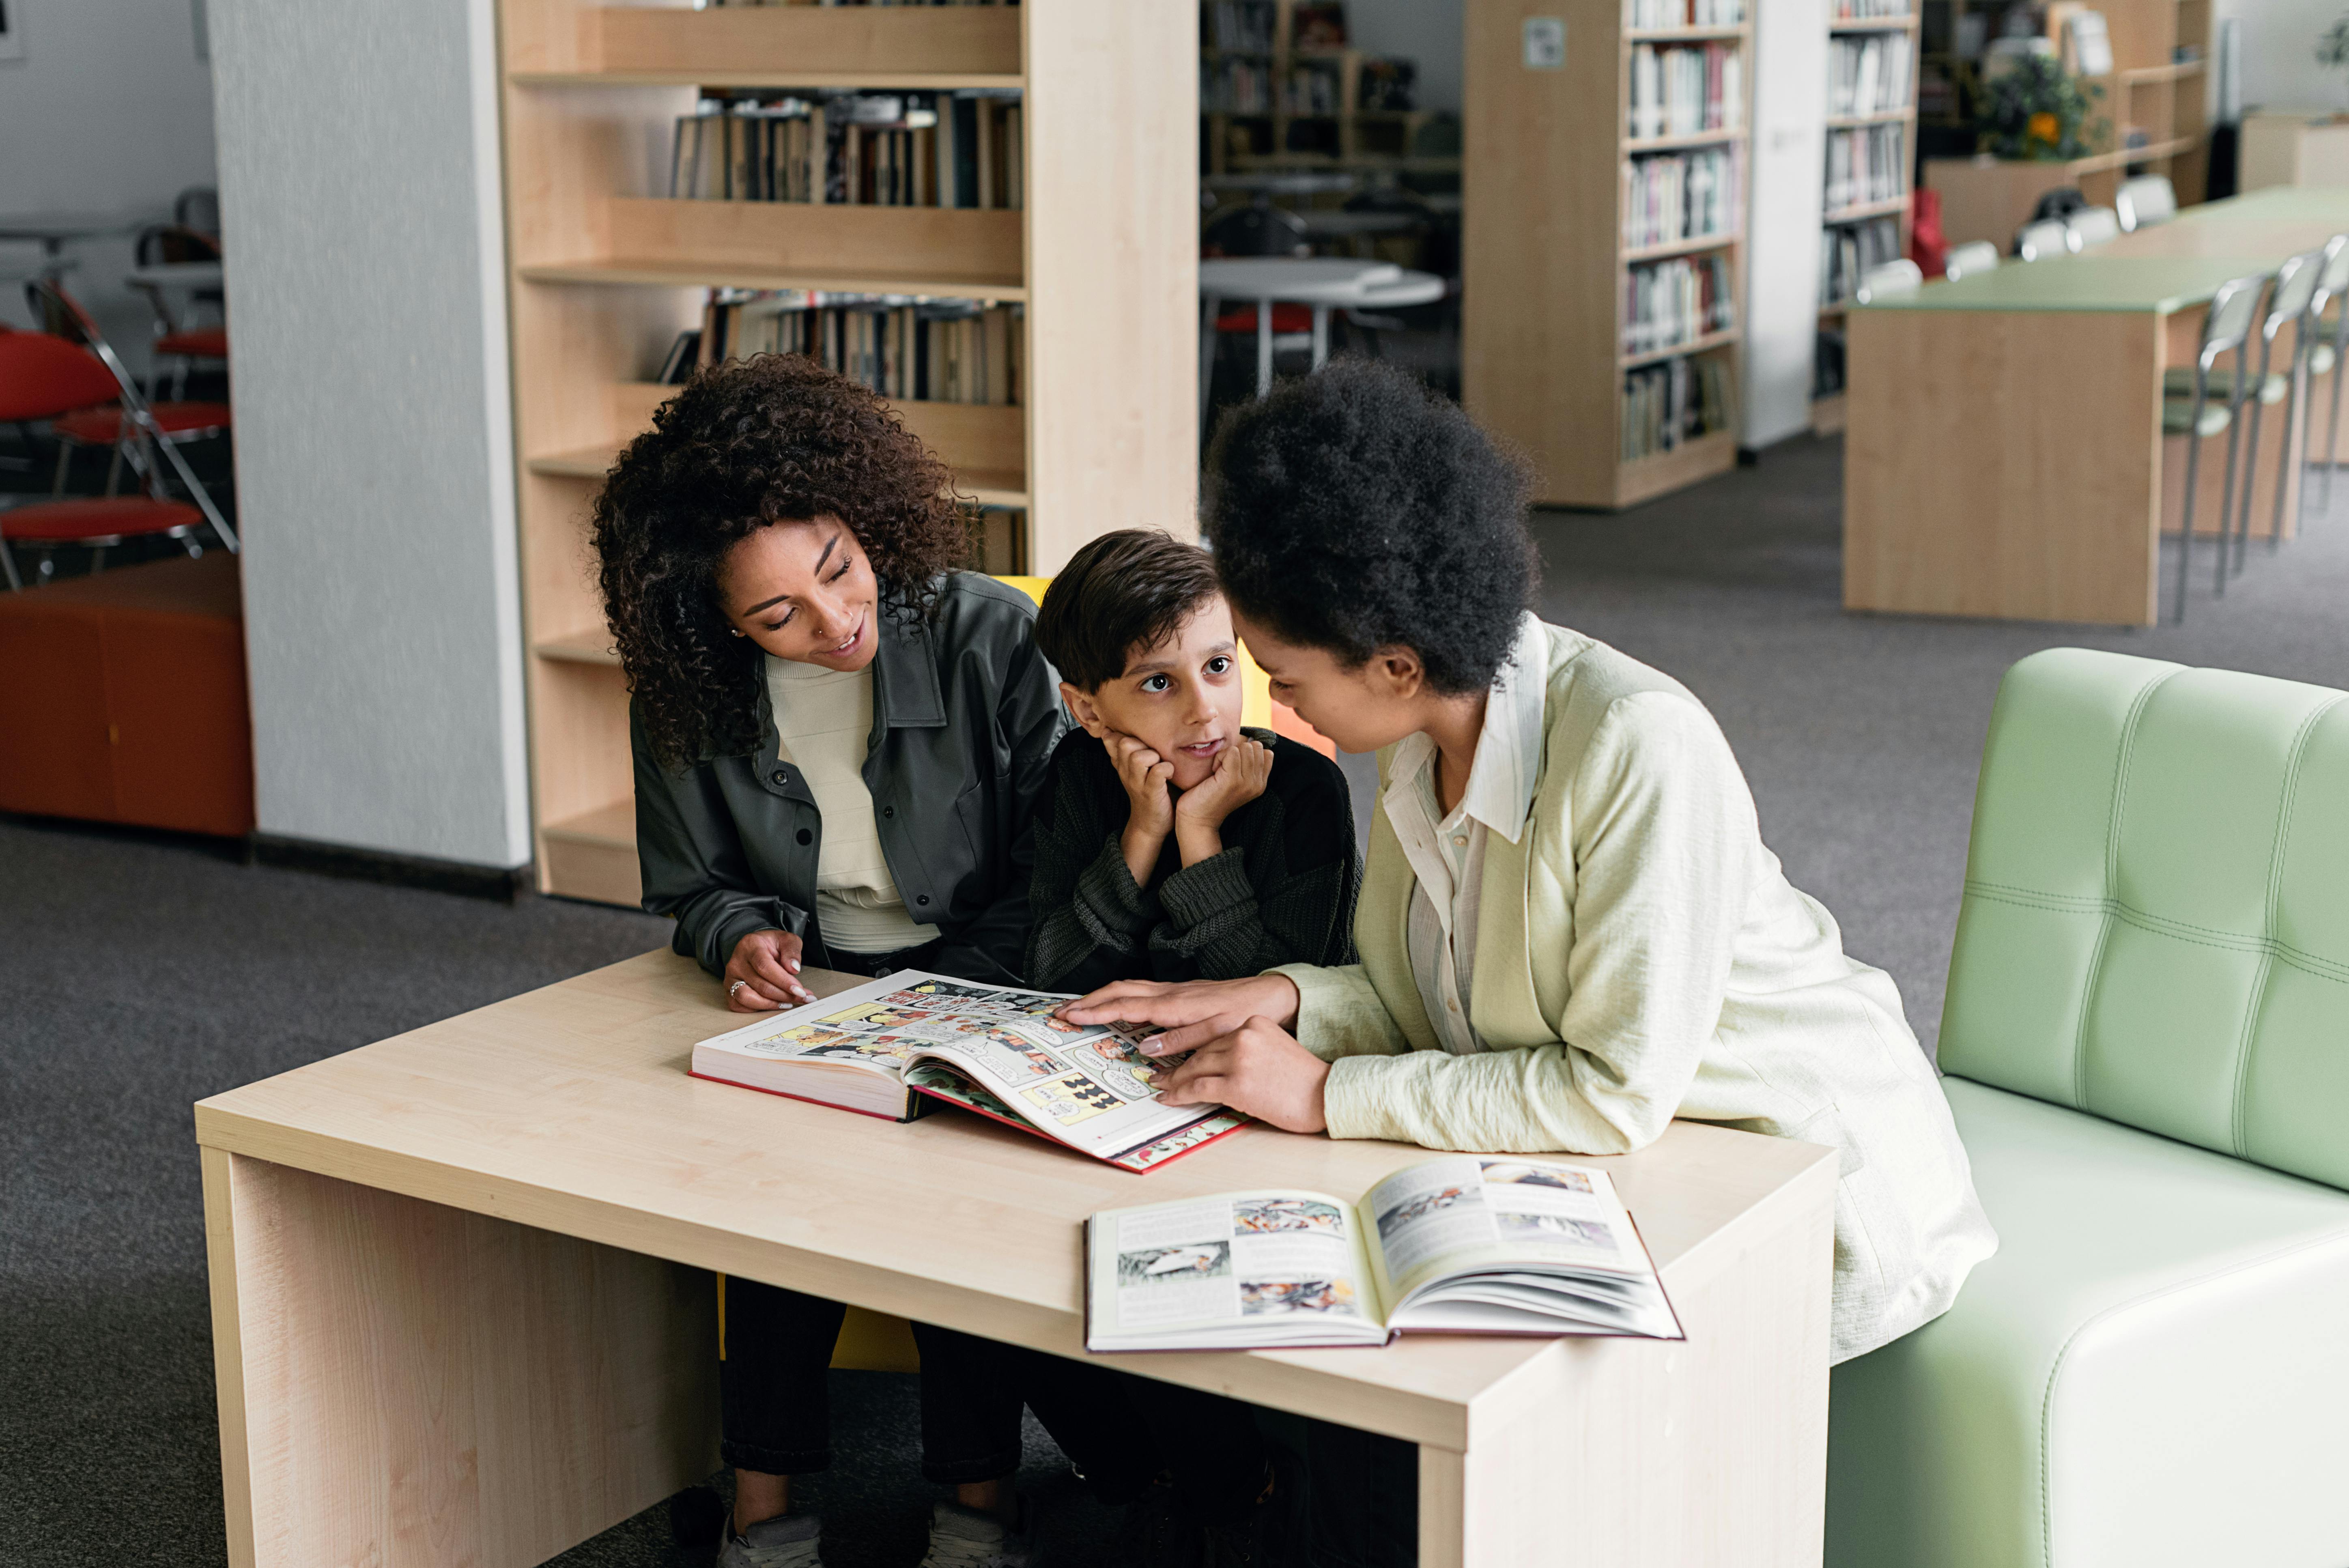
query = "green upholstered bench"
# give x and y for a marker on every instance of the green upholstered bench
(2147, 1042)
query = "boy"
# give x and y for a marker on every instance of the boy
(1171, 844)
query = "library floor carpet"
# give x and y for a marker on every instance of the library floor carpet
(140, 973)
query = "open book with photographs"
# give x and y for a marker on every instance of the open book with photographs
(896, 1046)
(1469, 1244)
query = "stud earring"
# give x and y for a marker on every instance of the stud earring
(736, 630)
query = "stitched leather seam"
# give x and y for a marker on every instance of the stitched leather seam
(2239, 1122)
(2055, 1369)
(2121, 766)
(2224, 941)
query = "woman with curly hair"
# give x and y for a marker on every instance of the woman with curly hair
(838, 737)
(1570, 930)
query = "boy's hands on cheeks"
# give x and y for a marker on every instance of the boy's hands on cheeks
(1242, 769)
(1259, 1068)
(1150, 807)
(763, 973)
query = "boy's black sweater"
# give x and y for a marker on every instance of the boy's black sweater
(1282, 891)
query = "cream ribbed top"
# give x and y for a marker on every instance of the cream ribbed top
(826, 718)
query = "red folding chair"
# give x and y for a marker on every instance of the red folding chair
(173, 338)
(42, 377)
(169, 422)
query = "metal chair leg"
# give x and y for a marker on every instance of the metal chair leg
(2288, 461)
(2340, 373)
(2251, 480)
(1262, 347)
(2186, 528)
(2227, 495)
(97, 559)
(8, 567)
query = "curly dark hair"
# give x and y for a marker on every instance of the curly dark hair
(1355, 510)
(747, 443)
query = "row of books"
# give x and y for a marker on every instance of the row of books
(1868, 75)
(1239, 25)
(1249, 26)
(936, 351)
(1667, 304)
(1867, 165)
(1677, 401)
(1675, 196)
(1871, 10)
(882, 149)
(713, 4)
(1233, 84)
(1686, 89)
(1683, 13)
(1848, 250)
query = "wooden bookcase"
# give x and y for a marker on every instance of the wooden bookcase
(1543, 251)
(604, 271)
(2151, 91)
(1827, 408)
(1270, 136)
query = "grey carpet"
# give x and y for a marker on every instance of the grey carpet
(140, 973)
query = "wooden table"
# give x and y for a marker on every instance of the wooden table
(2004, 455)
(461, 1311)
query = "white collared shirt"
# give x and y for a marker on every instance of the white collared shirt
(1446, 852)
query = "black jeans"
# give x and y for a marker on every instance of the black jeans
(1365, 1498)
(1121, 1432)
(774, 1388)
(774, 1382)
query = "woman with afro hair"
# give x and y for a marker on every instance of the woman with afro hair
(838, 737)
(1570, 930)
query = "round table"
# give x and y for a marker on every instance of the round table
(53, 229)
(1323, 283)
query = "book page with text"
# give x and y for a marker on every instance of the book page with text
(1289, 1265)
(1481, 1212)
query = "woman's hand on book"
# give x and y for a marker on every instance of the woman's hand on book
(763, 974)
(1257, 1069)
(1190, 1012)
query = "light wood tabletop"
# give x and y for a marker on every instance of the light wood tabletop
(569, 1111)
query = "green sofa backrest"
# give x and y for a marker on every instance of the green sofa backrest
(2155, 926)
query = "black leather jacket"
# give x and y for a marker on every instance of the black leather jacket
(966, 713)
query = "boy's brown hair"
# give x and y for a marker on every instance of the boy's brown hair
(1123, 592)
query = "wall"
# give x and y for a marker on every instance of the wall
(1427, 31)
(359, 187)
(1788, 188)
(110, 110)
(2279, 68)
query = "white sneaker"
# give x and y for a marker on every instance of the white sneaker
(965, 1538)
(791, 1541)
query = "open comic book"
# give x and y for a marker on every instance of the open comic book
(895, 1046)
(1469, 1244)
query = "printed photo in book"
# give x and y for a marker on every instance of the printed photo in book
(893, 1047)
(1468, 1244)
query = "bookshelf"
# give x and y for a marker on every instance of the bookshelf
(1546, 358)
(1873, 59)
(1270, 96)
(605, 269)
(2155, 114)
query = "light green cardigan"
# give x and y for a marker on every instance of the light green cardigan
(1640, 956)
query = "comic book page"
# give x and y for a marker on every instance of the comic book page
(1090, 1088)
(1252, 1268)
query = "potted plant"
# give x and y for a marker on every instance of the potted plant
(2036, 110)
(2332, 45)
